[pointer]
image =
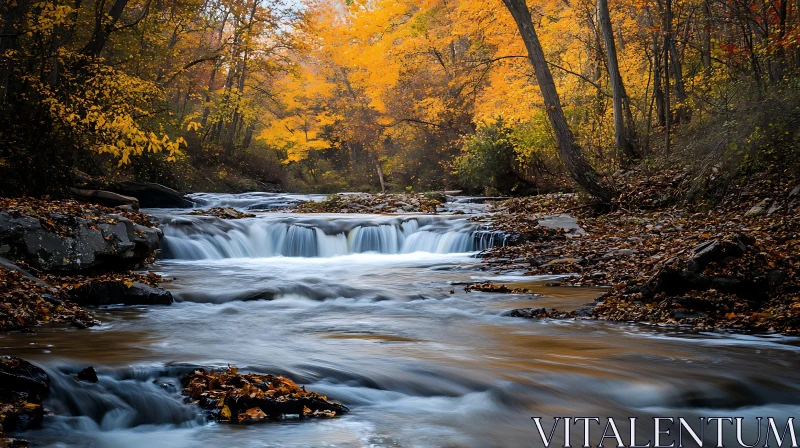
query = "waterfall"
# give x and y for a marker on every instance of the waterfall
(203, 238)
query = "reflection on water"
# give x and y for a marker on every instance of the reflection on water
(417, 365)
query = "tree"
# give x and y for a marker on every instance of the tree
(570, 152)
(624, 129)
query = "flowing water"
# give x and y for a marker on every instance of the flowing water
(371, 311)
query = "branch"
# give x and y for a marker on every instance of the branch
(409, 120)
(191, 64)
(565, 70)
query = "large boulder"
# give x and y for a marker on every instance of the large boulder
(106, 198)
(114, 293)
(70, 244)
(151, 195)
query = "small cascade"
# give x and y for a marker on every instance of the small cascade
(119, 400)
(204, 238)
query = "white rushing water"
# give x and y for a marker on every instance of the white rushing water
(208, 238)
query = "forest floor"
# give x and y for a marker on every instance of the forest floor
(732, 265)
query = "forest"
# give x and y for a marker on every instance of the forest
(325, 96)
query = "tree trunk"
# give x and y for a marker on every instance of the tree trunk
(624, 131)
(569, 151)
(379, 168)
(684, 114)
(707, 38)
(214, 69)
(104, 26)
(667, 109)
(658, 89)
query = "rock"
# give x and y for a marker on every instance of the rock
(717, 251)
(676, 277)
(757, 209)
(88, 374)
(19, 375)
(437, 196)
(249, 398)
(106, 198)
(684, 314)
(13, 267)
(566, 260)
(795, 192)
(774, 208)
(110, 242)
(562, 221)
(529, 313)
(223, 213)
(23, 386)
(620, 253)
(585, 312)
(151, 195)
(113, 293)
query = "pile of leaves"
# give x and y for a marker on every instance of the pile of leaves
(368, 203)
(233, 397)
(26, 303)
(51, 213)
(223, 213)
(649, 237)
(491, 287)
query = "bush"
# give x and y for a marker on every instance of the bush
(488, 160)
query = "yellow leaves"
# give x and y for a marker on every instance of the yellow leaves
(225, 413)
(252, 415)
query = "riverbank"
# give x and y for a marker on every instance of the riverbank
(733, 265)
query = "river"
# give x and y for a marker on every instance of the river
(370, 310)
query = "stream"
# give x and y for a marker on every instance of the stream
(371, 311)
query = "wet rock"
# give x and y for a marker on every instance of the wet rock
(19, 375)
(529, 313)
(88, 375)
(151, 195)
(107, 198)
(113, 292)
(23, 386)
(69, 243)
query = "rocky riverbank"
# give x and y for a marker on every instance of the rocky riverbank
(731, 266)
(56, 256)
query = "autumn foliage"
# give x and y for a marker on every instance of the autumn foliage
(378, 94)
